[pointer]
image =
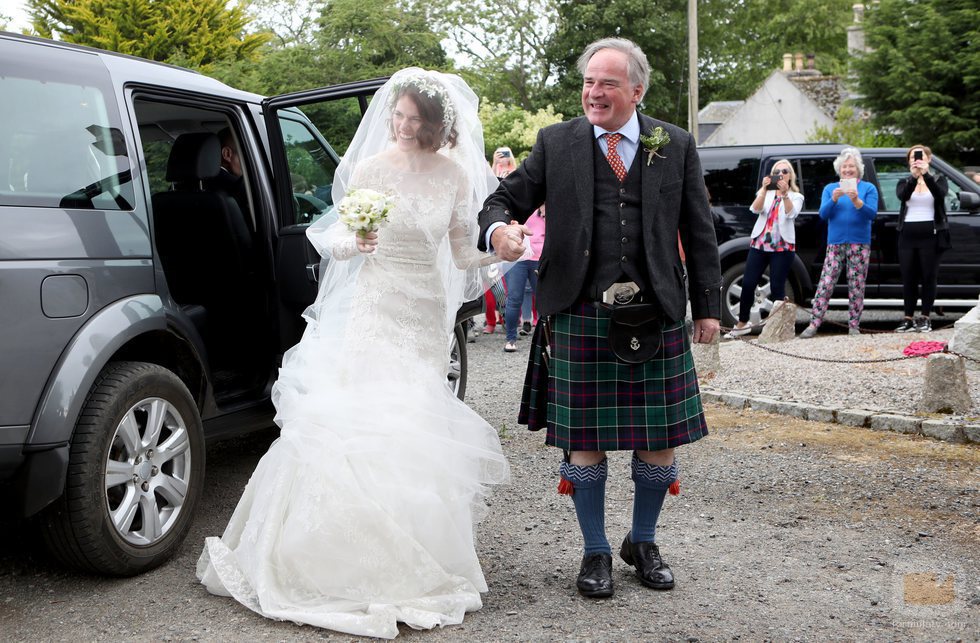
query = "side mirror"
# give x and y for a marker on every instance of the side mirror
(969, 201)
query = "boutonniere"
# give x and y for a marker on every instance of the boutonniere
(653, 141)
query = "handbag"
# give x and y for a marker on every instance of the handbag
(534, 397)
(635, 332)
(943, 240)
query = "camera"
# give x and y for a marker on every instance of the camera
(917, 155)
(505, 154)
(773, 181)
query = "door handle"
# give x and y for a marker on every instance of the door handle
(313, 272)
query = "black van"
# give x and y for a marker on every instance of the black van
(130, 280)
(734, 174)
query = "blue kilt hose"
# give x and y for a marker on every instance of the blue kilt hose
(598, 403)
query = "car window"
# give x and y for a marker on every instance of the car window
(891, 171)
(814, 174)
(61, 142)
(730, 180)
(311, 170)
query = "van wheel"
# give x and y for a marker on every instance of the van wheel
(457, 362)
(761, 302)
(135, 472)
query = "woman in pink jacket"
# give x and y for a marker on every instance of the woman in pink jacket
(522, 272)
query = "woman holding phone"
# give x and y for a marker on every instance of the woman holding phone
(923, 235)
(773, 245)
(848, 206)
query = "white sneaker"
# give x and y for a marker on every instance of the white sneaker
(737, 332)
(853, 331)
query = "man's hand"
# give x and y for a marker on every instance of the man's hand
(508, 241)
(368, 243)
(705, 330)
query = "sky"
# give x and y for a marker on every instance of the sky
(16, 10)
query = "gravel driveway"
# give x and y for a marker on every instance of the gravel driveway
(784, 530)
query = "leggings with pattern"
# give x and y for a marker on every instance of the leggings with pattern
(856, 256)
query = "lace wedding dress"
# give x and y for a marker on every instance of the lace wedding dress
(361, 514)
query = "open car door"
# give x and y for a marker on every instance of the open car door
(308, 132)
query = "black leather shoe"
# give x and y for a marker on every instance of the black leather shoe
(595, 578)
(650, 567)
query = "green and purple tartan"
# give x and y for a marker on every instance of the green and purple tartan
(597, 403)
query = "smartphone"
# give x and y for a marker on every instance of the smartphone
(917, 155)
(848, 184)
(504, 154)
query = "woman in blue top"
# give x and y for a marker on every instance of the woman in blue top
(848, 206)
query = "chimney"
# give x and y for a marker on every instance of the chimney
(798, 59)
(811, 62)
(787, 62)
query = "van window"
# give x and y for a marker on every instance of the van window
(891, 171)
(814, 174)
(61, 144)
(731, 180)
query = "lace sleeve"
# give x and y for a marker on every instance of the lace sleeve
(463, 230)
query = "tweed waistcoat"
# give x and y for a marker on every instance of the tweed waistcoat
(617, 236)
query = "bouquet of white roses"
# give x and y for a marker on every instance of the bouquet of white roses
(363, 210)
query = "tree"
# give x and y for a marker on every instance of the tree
(741, 43)
(513, 127)
(195, 33)
(852, 128)
(503, 44)
(922, 74)
(660, 29)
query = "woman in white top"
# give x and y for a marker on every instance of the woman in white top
(923, 235)
(773, 242)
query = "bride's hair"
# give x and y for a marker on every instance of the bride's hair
(438, 126)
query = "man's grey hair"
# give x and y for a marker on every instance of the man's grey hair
(637, 65)
(850, 152)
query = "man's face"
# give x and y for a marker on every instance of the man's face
(608, 98)
(230, 160)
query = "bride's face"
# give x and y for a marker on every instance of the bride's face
(405, 124)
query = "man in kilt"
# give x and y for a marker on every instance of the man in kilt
(620, 186)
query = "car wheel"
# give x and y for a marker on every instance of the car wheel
(135, 472)
(761, 302)
(457, 362)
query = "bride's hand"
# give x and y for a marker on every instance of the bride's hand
(508, 241)
(368, 243)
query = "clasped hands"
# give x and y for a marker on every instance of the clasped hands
(508, 240)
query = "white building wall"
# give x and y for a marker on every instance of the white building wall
(778, 112)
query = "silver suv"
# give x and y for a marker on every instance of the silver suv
(133, 269)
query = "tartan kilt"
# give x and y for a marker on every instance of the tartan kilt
(597, 403)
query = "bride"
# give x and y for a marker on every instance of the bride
(361, 514)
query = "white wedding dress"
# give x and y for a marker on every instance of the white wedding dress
(361, 514)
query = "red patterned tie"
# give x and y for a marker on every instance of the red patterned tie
(615, 162)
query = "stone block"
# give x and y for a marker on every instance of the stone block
(780, 324)
(734, 400)
(942, 430)
(945, 389)
(853, 417)
(966, 337)
(821, 414)
(972, 433)
(792, 409)
(711, 396)
(707, 359)
(764, 404)
(899, 423)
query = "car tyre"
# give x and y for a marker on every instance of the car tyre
(458, 362)
(731, 289)
(135, 473)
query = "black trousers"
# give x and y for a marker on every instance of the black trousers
(919, 262)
